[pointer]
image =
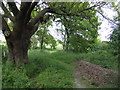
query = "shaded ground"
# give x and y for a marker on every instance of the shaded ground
(94, 74)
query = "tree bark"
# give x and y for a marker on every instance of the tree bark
(18, 50)
(18, 41)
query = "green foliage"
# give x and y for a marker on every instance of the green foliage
(115, 40)
(52, 69)
(81, 24)
(43, 37)
(34, 42)
(78, 43)
(104, 45)
(11, 26)
(80, 32)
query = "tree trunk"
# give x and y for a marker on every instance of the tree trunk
(67, 40)
(18, 44)
(18, 38)
(18, 51)
(41, 43)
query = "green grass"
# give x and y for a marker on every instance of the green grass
(43, 71)
(52, 68)
(53, 78)
(102, 58)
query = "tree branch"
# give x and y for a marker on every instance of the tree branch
(7, 13)
(105, 16)
(13, 8)
(99, 4)
(29, 12)
(39, 17)
(24, 7)
(92, 23)
(53, 10)
(34, 29)
(5, 28)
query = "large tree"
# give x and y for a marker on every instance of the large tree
(24, 26)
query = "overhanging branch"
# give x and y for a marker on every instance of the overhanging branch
(13, 8)
(7, 13)
(29, 12)
(24, 7)
(34, 29)
(105, 16)
(40, 16)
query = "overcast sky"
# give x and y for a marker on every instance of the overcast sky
(106, 29)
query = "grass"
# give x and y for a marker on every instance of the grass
(102, 58)
(52, 69)
(43, 71)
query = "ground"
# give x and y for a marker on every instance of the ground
(94, 74)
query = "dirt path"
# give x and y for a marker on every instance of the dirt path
(95, 74)
(77, 82)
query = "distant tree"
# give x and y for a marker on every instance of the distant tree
(33, 42)
(52, 42)
(43, 33)
(44, 37)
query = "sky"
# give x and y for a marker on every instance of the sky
(105, 28)
(104, 31)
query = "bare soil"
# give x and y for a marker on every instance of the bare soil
(94, 74)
